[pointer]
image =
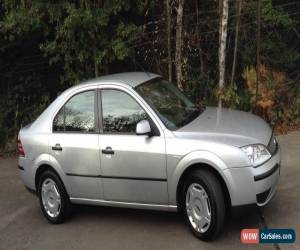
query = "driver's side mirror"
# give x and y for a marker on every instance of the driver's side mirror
(143, 128)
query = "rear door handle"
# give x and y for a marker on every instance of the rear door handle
(108, 151)
(57, 147)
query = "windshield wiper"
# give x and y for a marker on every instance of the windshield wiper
(190, 117)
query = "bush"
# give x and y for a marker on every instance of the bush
(201, 88)
(277, 98)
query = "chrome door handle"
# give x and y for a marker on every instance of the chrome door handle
(57, 147)
(108, 151)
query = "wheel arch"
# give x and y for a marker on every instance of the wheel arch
(208, 167)
(41, 169)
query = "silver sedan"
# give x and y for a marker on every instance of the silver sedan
(135, 140)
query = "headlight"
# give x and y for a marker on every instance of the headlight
(256, 153)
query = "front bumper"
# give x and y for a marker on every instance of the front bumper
(249, 185)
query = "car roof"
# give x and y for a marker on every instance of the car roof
(132, 79)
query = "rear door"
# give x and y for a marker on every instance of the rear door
(74, 145)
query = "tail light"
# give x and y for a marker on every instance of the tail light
(21, 151)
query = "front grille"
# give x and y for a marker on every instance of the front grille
(272, 146)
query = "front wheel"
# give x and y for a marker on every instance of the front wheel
(54, 200)
(203, 204)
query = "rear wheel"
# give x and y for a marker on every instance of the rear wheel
(203, 204)
(54, 200)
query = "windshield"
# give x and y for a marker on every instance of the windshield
(172, 106)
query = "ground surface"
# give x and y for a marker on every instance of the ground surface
(22, 225)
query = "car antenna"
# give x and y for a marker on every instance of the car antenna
(136, 63)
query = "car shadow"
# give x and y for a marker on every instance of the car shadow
(162, 221)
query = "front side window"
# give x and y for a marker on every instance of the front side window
(120, 112)
(172, 106)
(77, 115)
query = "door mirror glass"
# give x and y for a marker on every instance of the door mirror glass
(143, 128)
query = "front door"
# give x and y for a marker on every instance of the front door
(133, 166)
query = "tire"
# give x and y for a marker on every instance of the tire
(203, 204)
(52, 191)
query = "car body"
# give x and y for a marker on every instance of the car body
(103, 166)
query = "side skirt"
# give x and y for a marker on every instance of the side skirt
(160, 207)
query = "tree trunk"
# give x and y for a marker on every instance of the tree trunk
(222, 45)
(168, 14)
(96, 69)
(236, 39)
(198, 40)
(178, 46)
(258, 50)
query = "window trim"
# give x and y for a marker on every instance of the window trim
(96, 114)
(99, 111)
(153, 125)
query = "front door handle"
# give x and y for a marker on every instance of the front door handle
(108, 151)
(57, 147)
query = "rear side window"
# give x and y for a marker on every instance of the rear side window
(58, 123)
(77, 115)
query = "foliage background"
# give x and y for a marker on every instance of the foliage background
(47, 46)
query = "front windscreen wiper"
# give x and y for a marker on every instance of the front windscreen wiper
(190, 117)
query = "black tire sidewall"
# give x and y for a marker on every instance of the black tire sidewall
(65, 204)
(217, 216)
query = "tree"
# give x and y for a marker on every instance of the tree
(47, 46)
(179, 41)
(198, 39)
(90, 36)
(236, 39)
(222, 45)
(258, 49)
(169, 44)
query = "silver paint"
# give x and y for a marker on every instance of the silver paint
(213, 139)
(143, 128)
